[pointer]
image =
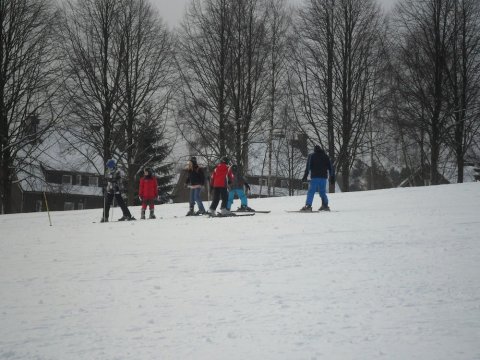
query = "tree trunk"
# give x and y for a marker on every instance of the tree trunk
(330, 63)
(6, 182)
(345, 177)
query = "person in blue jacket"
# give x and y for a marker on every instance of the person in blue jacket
(319, 167)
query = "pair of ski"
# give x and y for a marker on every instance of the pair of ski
(237, 213)
(219, 215)
(307, 212)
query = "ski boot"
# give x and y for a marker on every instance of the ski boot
(226, 212)
(324, 208)
(152, 215)
(127, 218)
(211, 212)
(245, 208)
(142, 216)
(190, 212)
(200, 212)
(103, 220)
(306, 208)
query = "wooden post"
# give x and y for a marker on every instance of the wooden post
(48, 211)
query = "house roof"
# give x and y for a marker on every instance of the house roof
(57, 153)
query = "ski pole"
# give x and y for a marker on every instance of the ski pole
(104, 202)
(208, 195)
(48, 211)
(113, 206)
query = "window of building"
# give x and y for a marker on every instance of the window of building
(67, 205)
(284, 183)
(92, 181)
(38, 205)
(80, 206)
(67, 179)
(79, 179)
(264, 182)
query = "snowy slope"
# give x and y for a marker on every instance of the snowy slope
(391, 274)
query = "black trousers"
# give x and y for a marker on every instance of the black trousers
(120, 202)
(219, 193)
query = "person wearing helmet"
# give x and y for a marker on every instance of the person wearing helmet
(195, 181)
(319, 167)
(218, 181)
(237, 187)
(112, 191)
(148, 192)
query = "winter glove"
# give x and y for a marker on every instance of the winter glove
(140, 198)
(247, 187)
(304, 179)
(332, 180)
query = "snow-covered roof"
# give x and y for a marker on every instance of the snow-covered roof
(58, 153)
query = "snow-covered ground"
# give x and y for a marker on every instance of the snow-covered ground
(390, 274)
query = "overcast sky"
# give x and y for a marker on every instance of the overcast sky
(172, 10)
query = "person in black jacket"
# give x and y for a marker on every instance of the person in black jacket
(195, 181)
(319, 167)
(113, 190)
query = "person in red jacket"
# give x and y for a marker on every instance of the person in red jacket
(218, 181)
(148, 192)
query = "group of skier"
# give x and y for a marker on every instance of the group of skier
(226, 181)
(225, 176)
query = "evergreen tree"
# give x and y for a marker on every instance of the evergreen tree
(152, 152)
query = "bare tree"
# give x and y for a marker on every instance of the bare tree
(290, 159)
(248, 78)
(147, 82)
(313, 63)
(426, 30)
(28, 83)
(463, 73)
(204, 66)
(336, 71)
(94, 48)
(279, 24)
(222, 59)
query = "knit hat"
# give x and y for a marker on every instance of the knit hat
(111, 164)
(193, 159)
(225, 160)
(317, 148)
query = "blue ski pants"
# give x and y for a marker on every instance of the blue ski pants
(241, 196)
(320, 185)
(196, 198)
